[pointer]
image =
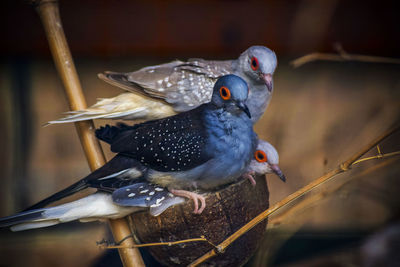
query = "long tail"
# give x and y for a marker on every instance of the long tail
(97, 179)
(90, 208)
(76, 187)
(126, 106)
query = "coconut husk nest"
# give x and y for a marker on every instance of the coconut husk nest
(227, 210)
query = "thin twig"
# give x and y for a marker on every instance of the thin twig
(345, 166)
(379, 156)
(340, 57)
(306, 203)
(200, 239)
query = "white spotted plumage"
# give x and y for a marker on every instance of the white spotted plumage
(179, 86)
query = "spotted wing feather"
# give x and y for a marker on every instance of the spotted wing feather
(141, 195)
(194, 81)
(184, 85)
(144, 81)
(175, 143)
(114, 183)
(212, 69)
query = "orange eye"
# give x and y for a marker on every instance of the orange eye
(254, 63)
(260, 156)
(225, 93)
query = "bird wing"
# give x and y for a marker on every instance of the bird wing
(210, 68)
(145, 194)
(119, 171)
(143, 81)
(175, 143)
(184, 85)
(127, 106)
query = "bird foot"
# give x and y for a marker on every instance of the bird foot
(250, 176)
(193, 196)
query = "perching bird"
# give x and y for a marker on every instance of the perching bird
(266, 160)
(204, 148)
(97, 206)
(119, 196)
(164, 90)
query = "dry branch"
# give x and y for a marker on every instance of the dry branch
(345, 166)
(342, 55)
(306, 203)
(49, 13)
(171, 243)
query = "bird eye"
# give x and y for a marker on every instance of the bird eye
(254, 63)
(225, 93)
(260, 156)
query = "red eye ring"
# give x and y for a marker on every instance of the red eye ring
(225, 93)
(254, 63)
(260, 156)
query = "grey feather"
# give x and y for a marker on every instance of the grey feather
(182, 86)
(146, 195)
(219, 133)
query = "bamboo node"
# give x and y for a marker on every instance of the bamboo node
(344, 167)
(220, 249)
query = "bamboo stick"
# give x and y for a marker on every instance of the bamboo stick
(49, 13)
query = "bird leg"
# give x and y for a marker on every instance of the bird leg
(193, 196)
(250, 175)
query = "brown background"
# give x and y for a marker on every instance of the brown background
(319, 115)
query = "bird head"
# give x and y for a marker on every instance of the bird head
(266, 160)
(258, 63)
(230, 92)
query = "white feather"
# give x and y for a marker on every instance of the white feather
(128, 106)
(93, 207)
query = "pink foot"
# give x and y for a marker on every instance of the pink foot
(193, 196)
(250, 176)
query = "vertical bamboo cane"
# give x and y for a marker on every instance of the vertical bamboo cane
(49, 13)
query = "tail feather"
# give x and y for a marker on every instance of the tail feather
(27, 220)
(22, 217)
(76, 187)
(120, 165)
(83, 115)
(92, 207)
(126, 106)
(33, 225)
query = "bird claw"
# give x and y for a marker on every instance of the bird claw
(250, 176)
(193, 196)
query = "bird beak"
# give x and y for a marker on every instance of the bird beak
(275, 168)
(267, 78)
(243, 107)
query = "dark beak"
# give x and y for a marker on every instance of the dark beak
(275, 168)
(267, 78)
(243, 107)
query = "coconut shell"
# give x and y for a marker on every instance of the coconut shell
(227, 210)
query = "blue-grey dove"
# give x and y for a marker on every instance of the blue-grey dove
(160, 91)
(126, 193)
(204, 149)
(97, 206)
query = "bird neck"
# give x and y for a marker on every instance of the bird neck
(235, 65)
(258, 101)
(231, 144)
(224, 127)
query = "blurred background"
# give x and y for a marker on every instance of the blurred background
(320, 114)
